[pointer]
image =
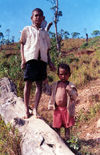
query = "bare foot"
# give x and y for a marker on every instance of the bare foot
(30, 108)
(27, 116)
(36, 115)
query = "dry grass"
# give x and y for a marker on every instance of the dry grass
(9, 140)
(72, 44)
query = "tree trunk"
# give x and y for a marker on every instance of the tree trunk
(55, 21)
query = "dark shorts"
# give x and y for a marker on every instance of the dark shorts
(35, 70)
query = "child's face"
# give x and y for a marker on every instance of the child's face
(37, 18)
(63, 75)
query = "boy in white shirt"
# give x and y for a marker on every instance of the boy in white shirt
(35, 45)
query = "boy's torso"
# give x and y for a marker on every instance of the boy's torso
(61, 95)
(34, 41)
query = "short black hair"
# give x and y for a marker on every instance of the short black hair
(64, 66)
(37, 9)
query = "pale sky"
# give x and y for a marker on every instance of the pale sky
(78, 15)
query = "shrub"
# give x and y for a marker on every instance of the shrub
(84, 45)
(9, 139)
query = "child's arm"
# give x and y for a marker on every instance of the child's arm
(22, 42)
(72, 91)
(47, 89)
(22, 56)
(51, 105)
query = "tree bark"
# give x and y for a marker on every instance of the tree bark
(55, 22)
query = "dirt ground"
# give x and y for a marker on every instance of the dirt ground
(89, 133)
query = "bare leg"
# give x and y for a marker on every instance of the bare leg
(57, 130)
(27, 89)
(38, 93)
(67, 133)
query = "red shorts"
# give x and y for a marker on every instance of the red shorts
(61, 118)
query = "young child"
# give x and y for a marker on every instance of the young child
(62, 100)
(44, 24)
(35, 45)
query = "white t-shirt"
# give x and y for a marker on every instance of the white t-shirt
(34, 41)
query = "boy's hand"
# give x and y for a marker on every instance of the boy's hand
(52, 67)
(23, 64)
(50, 107)
(68, 88)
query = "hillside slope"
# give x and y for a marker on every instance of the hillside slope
(84, 61)
(89, 107)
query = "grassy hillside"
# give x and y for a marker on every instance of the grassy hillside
(10, 65)
(84, 60)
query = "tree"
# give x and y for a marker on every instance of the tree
(8, 34)
(1, 39)
(87, 38)
(75, 34)
(95, 33)
(86, 34)
(12, 40)
(57, 14)
(64, 34)
(1, 35)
